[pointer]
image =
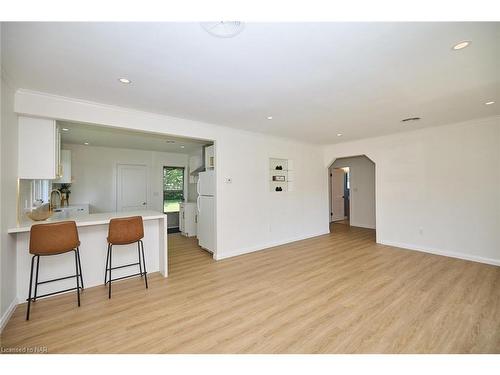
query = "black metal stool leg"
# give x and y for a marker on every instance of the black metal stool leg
(77, 278)
(106, 272)
(144, 264)
(31, 284)
(80, 266)
(110, 256)
(36, 276)
(139, 252)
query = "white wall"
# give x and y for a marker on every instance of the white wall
(362, 190)
(8, 210)
(437, 189)
(93, 171)
(249, 216)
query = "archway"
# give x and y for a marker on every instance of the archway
(351, 187)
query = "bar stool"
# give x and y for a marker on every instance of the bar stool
(125, 231)
(54, 239)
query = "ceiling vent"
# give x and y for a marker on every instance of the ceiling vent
(223, 29)
(410, 119)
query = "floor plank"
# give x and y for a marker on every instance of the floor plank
(338, 293)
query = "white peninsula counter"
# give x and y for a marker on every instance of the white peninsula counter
(92, 230)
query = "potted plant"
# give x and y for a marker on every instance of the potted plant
(65, 192)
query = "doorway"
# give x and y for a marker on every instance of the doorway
(131, 187)
(352, 192)
(339, 202)
(123, 170)
(173, 195)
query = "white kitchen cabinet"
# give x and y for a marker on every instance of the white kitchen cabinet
(38, 148)
(187, 219)
(65, 168)
(210, 157)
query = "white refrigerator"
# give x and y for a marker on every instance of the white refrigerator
(206, 210)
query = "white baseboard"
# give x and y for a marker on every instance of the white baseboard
(268, 245)
(6, 316)
(361, 225)
(451, 254)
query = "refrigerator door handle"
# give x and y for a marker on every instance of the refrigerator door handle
(198, 186)
(198, 204)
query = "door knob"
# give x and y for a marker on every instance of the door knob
(143, 203)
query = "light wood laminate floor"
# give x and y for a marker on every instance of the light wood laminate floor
(337, 293)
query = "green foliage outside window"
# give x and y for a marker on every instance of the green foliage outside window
(173, 188)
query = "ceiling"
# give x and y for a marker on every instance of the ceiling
(101, 136)
(315, 79)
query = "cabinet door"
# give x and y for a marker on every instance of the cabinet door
(37, 148)
(190, 219)
(65, 168)
(58, 153)
(210, 157)
(181, 218)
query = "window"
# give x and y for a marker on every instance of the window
(40, 190)
(173, 188)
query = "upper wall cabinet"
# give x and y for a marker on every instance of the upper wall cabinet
(65, 170)
(39, 149)
(210, 157)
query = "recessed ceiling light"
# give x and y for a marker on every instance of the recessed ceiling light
(124, 80)
(64, 129)
(490, 103)
(339, 134)
(223, 29)
(461, 45)
(86, 143)
(269, 117)
(182, 146)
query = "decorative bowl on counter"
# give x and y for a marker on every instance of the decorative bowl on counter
(40, 213)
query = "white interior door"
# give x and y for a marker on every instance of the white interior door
(131, 187)
(337, 183)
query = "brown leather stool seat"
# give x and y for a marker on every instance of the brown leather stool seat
(125, 231)
(53, 239)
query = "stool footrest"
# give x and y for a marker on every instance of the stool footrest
(51, 294)
(60, 278)
(126, 265)
(126, 277)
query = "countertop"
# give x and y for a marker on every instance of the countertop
(90, 219)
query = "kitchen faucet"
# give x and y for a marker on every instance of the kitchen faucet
(52, 205)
